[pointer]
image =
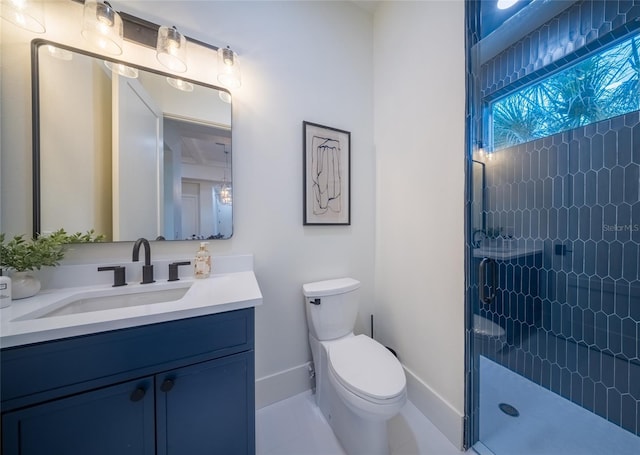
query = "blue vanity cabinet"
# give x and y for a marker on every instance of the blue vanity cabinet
(201, 409)
(107, 421)
(173, 388)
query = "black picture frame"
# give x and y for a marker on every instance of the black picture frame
(326, 174)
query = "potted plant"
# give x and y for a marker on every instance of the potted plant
(22, 256)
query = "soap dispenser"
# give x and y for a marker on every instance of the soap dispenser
(202, 262)
(5, 290)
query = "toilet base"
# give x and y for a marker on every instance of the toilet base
(357, 436)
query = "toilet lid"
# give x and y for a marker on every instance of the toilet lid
(330, 287)
(367, 368)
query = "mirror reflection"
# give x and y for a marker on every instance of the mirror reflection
(128, 152)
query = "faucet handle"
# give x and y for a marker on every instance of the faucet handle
(118, 274)
(147, 274)
(173, 270)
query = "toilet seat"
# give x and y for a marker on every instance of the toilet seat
(367, 369)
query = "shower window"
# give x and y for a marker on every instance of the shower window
(602, 86)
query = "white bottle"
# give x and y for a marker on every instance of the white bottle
(5, 291)
(202, 264)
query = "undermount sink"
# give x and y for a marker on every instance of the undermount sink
(115, 298)
(76, 301)
(497, 248)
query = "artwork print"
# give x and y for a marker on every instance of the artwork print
(327, 168)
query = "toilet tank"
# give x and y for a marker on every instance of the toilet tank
(331, 307)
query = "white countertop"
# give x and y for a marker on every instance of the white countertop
(19, 323)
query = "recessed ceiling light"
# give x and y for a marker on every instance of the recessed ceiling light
(504, 4)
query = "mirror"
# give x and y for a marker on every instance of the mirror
(129, 156)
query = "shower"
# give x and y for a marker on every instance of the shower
(553, 227)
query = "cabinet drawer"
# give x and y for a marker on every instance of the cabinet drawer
(48, 370)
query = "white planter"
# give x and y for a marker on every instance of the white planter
(24, 285)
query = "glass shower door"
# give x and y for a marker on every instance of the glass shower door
(553, 279)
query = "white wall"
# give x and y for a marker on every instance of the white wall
(74, 137)
(300, 61)
(419, 138)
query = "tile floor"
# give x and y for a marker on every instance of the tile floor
(295, 426)
(548, 424)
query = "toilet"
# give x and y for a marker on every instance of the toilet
(360, 384)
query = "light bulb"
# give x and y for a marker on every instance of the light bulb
(171, 49)
(102, 27)
(228, 68)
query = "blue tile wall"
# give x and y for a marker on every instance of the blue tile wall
(573, 319)
(572, 315)
(583, 27)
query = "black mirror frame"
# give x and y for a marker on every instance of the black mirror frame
(35, 117)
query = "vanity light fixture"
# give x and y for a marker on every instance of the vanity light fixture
(24, 13)
(102, 27)
(185, 86)
(225, 194)
(482, 153)
(122, 70)
(228, 68)
(171, 49)
(225, 189)
(170, 45)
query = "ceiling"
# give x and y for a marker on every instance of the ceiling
(201, 144)
(368, 5)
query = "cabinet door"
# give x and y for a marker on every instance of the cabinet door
(207, 408)
(108, 421)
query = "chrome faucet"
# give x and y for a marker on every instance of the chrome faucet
(147, 268)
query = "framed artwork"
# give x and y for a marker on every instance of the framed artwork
(326, 175)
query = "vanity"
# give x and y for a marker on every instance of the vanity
(169, 377)
(90, 366)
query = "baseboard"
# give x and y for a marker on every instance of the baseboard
(436, 409)
(282, 385)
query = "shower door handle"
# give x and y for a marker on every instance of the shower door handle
(482, 285)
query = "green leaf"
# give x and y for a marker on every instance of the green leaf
(22, 254)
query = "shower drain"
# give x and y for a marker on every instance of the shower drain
(509, 410)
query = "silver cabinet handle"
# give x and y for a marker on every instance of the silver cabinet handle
(482, 285)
